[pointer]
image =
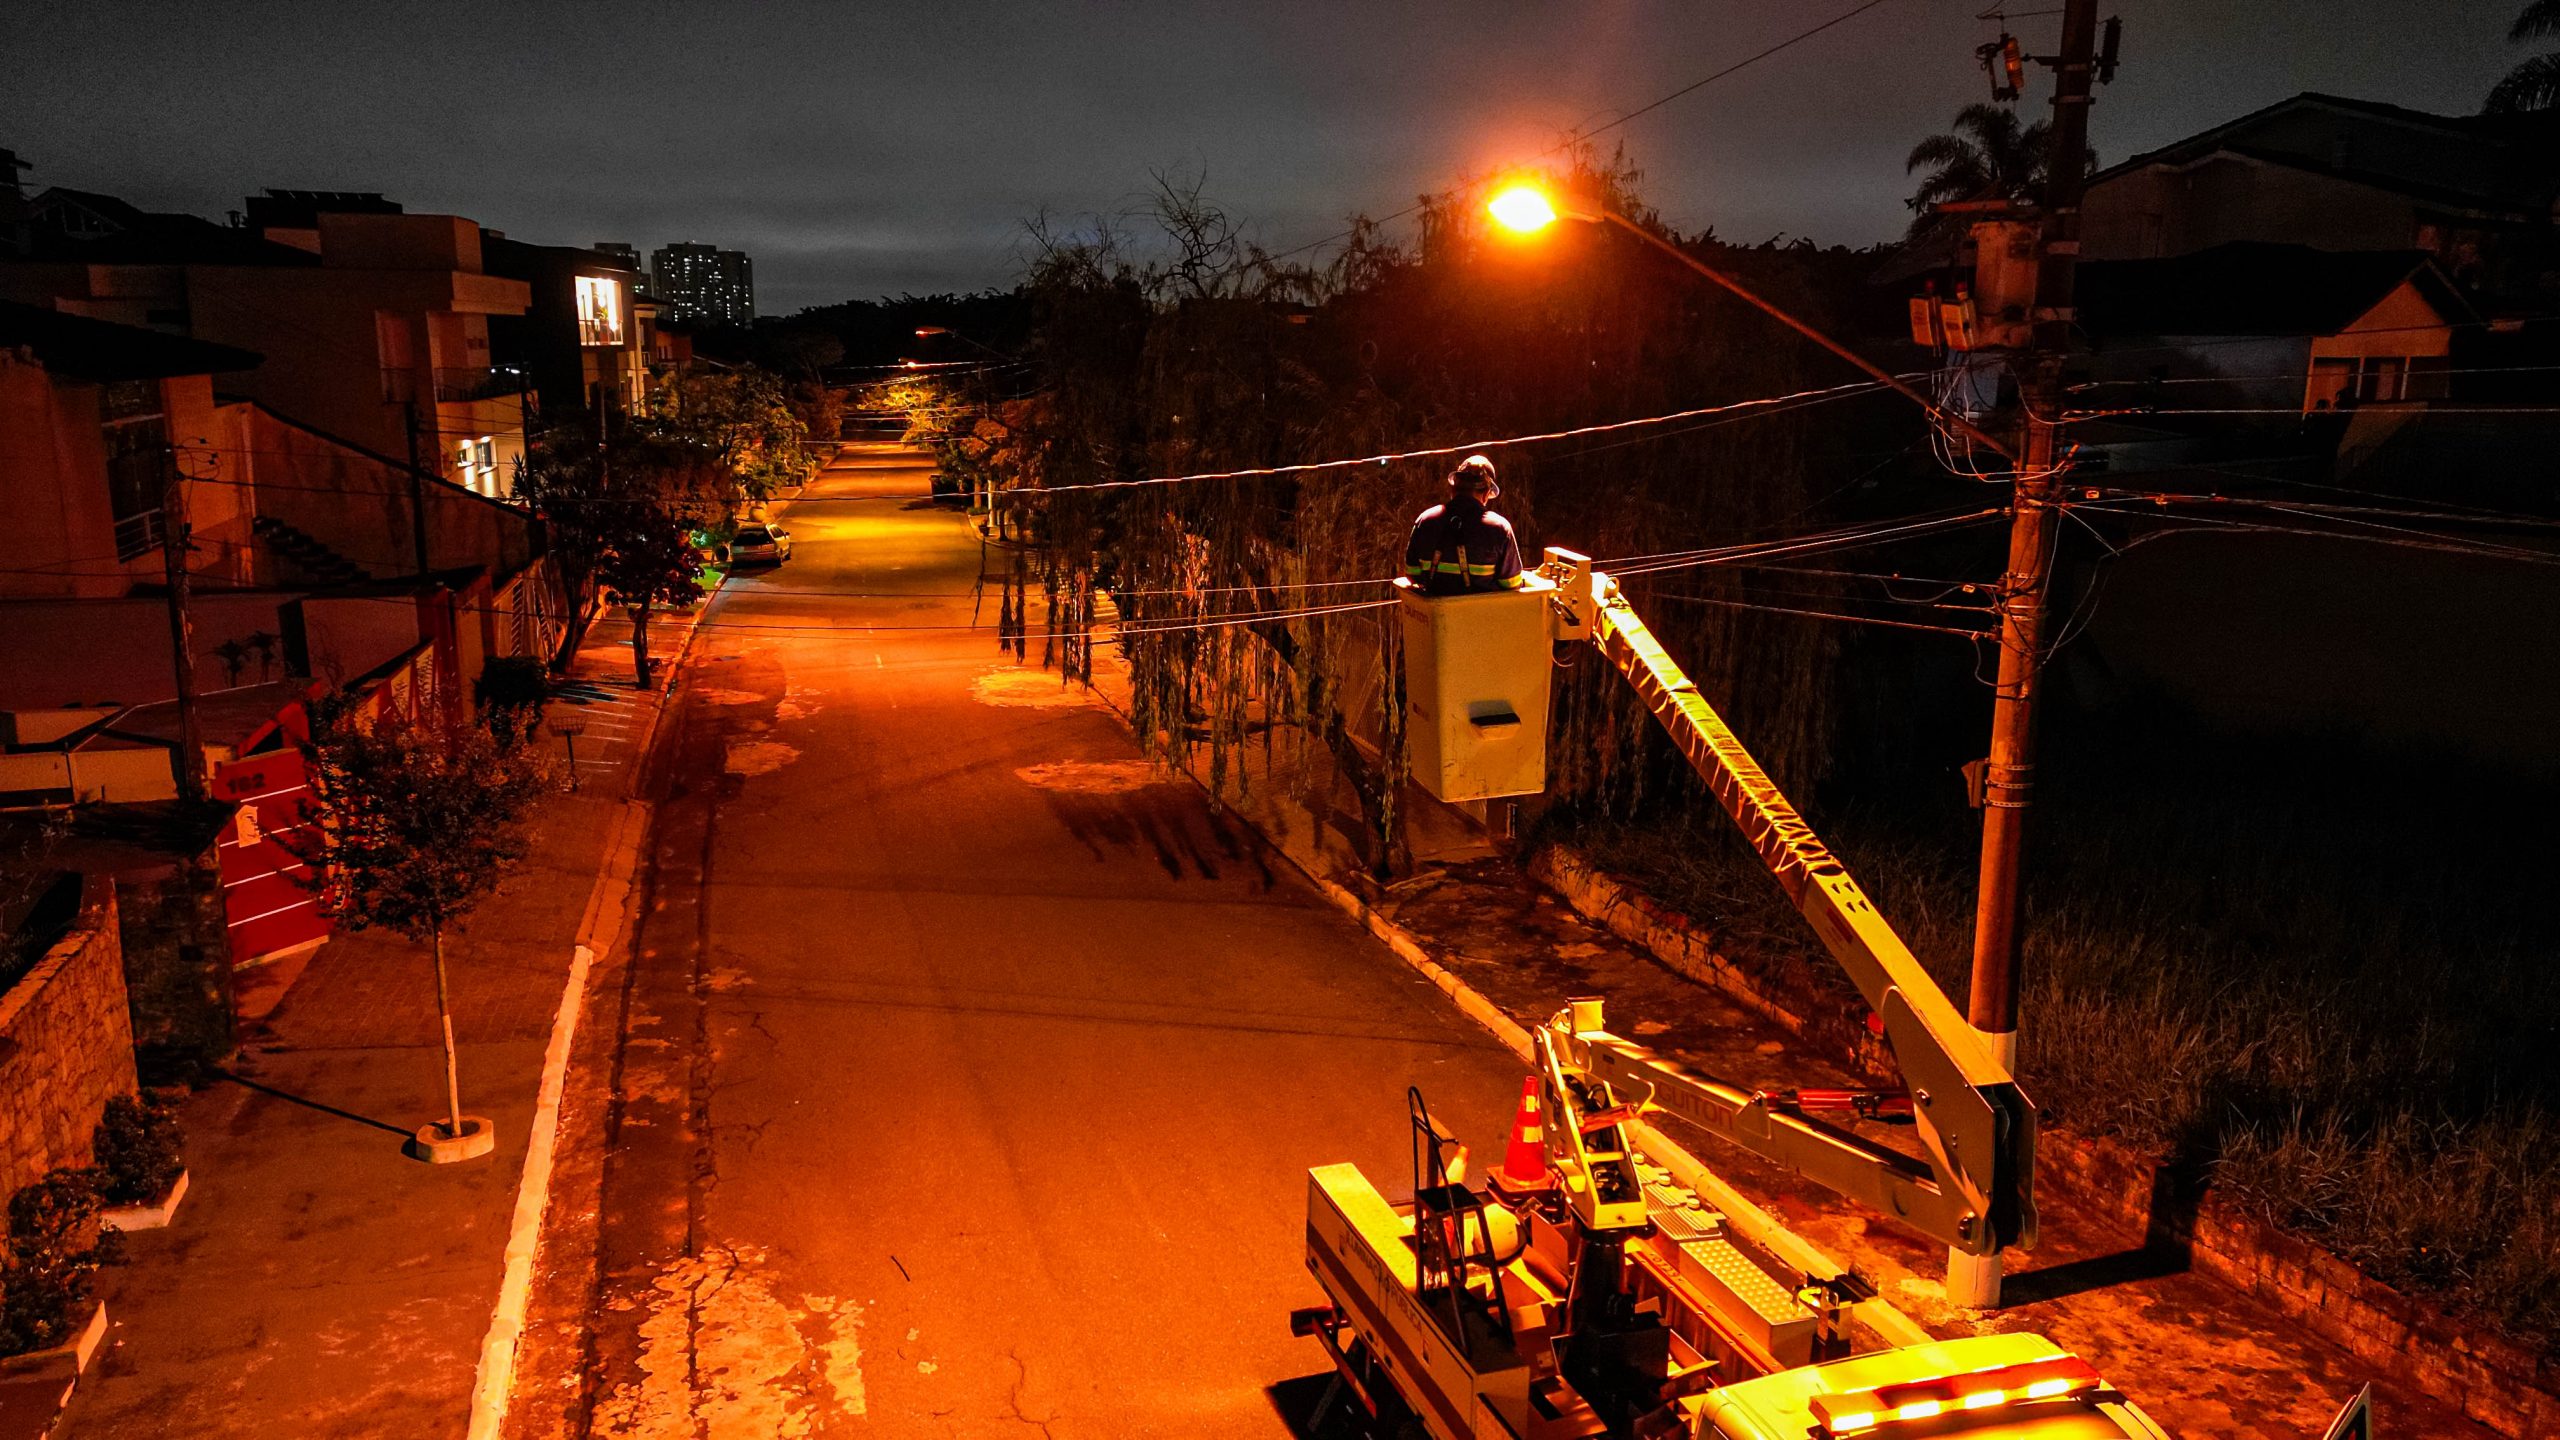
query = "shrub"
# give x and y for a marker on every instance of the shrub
(137, 1145)
(55, 1248)
(511, 691)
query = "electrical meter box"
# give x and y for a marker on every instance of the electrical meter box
(1476, 679)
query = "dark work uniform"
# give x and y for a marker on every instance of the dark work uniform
(1460, 547)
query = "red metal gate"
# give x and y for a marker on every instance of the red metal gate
(263, 906)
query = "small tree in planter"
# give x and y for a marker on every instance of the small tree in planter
(416, 821)
(55, 1248)
(138, 1147)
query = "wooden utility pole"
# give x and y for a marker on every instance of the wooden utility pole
(2008, 782)
(417, 487)
(174, 538)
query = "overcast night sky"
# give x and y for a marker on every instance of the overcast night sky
(858, 150)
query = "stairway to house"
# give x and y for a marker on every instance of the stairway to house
(304, 560)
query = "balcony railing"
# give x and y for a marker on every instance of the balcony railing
(137, 533)
(482, 383)
(453, 385)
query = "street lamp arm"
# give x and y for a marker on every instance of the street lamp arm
(923, 331)
(1961, 425)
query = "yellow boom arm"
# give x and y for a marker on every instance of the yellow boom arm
(1974, 1185)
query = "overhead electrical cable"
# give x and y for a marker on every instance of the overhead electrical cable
(1579, 135)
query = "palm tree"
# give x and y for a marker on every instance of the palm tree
(2535, 84)
(1988, 156)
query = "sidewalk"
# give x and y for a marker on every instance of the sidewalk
(2201, 1358)
(317, 1282)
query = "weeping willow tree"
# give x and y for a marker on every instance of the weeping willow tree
(1247, 605)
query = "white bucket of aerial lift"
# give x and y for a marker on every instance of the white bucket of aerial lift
(1476, 676)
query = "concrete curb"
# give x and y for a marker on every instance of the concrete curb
(599, 929)
(1746, 1218)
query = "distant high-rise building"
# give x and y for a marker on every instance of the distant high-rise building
(703, 285)
(626, 256)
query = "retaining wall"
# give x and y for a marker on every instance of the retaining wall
(66, 1046)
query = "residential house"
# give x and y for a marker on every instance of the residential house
(2475, 193)
(583, 340)
(2247, 324)
(374, 322)
(2278, 374)
(99, 425)
(96, 423)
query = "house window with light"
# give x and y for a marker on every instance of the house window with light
(476, 464)
(599, 311)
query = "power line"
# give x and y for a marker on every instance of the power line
(2296, 377)
(1578, 136)
(1737, 408)
(2317, 507)
(1969, 634)
(1743, 64)
(2430, 409)
(1833, 392)
(1850, 537)
(2397, 536)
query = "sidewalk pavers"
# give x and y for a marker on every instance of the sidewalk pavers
(317, 1282)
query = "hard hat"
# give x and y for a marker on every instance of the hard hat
(1471, 471)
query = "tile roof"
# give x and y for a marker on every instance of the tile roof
(86, 349)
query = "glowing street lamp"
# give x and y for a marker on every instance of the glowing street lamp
(1526, 209)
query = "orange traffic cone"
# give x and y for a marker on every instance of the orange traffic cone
(1524, 1162)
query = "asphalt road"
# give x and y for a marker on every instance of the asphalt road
(972, 1069)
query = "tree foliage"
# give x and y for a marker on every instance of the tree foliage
(622, 496)
(1987, 155)
(416, 819)
(1173, 345)
(2534, 84)
(713, 434)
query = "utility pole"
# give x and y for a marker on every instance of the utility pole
(2009, 774)
(174, 544)
(417, 487)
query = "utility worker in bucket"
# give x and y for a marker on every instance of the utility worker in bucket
(1462, 546)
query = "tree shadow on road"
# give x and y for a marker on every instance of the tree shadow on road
(308, 1103)
(1160, 820)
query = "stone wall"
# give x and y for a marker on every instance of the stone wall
(177, 970)
(66, 1046)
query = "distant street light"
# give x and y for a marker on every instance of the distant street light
(1526, 209)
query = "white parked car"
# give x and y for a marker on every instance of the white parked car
(760, 542)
